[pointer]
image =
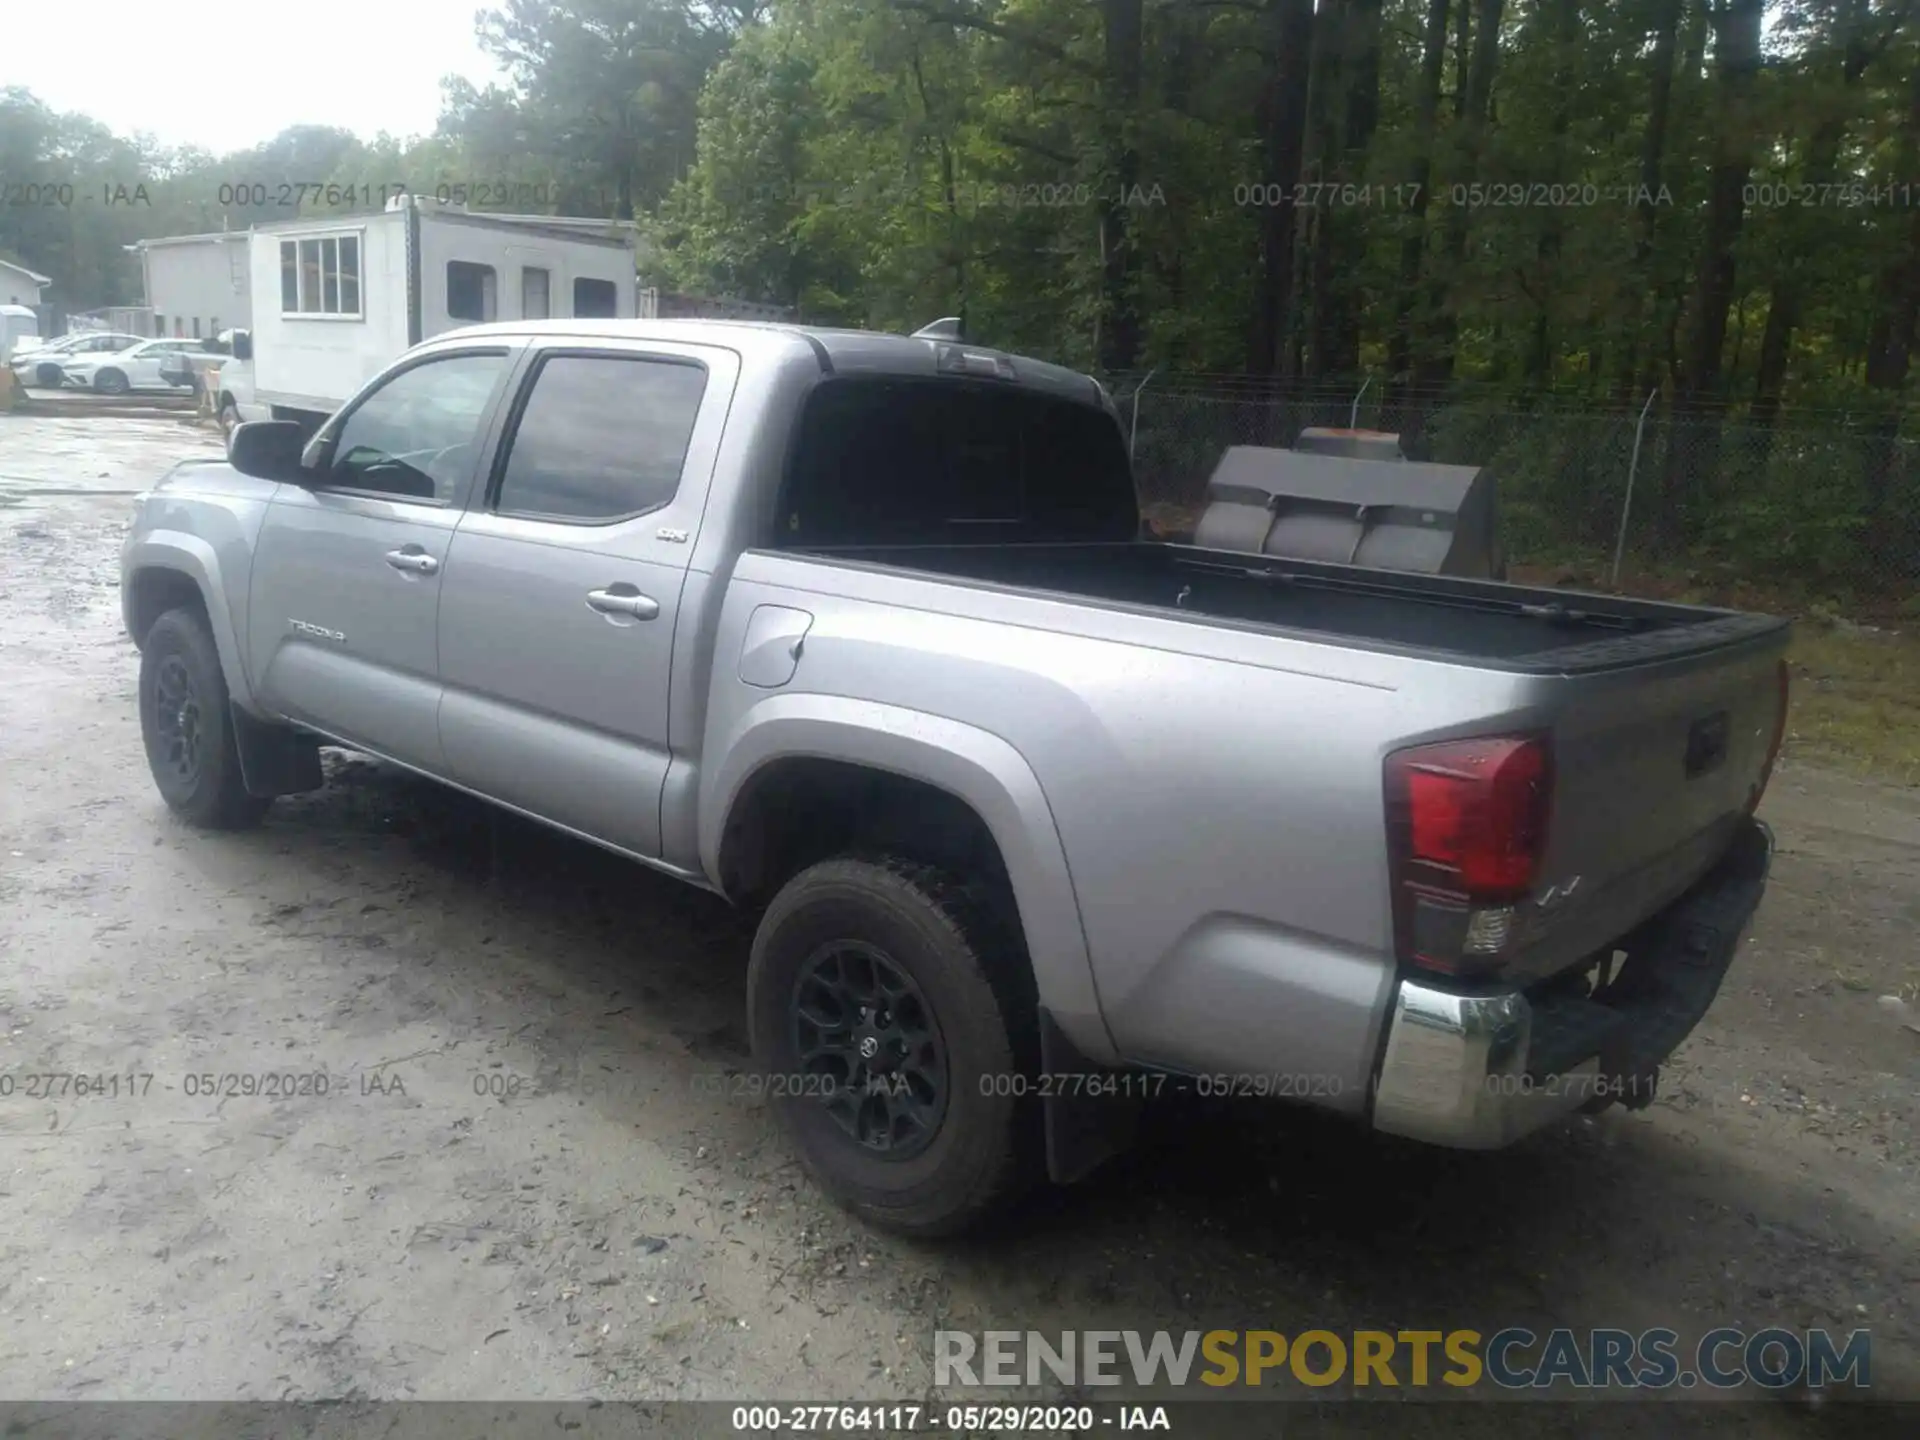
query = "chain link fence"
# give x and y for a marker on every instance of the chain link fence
(1797, 514)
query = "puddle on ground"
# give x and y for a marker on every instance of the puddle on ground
(51, 457)
(16, 494)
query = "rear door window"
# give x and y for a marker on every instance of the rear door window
(600, 437)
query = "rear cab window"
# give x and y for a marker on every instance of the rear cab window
(909, 460)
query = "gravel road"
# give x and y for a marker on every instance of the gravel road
(536, 1173)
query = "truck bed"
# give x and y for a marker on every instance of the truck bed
(1500, 626)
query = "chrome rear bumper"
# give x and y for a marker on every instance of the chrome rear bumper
(1475, 1071)
(1455, 1071)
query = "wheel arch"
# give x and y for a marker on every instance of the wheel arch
(788, 750)
(165, 570)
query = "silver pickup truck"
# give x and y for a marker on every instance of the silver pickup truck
(1041, 817)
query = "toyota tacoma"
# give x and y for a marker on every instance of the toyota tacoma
(861, 632)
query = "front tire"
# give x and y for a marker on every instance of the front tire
(229, 416)
(188, 728)
(895, 1018)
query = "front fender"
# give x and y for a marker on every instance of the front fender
(971, 764)
(190, 556)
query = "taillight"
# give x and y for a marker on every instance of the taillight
(1773, 745)
(1467, 825)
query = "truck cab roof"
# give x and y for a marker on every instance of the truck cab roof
(838, 351)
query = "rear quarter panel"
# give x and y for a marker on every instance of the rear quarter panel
(1216, 793)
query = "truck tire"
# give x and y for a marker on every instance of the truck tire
(894, 1015)
(188, 728)
(229, 416)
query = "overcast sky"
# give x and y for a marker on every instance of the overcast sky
(229, 75)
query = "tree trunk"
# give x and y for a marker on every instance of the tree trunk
(1736, 66)
(1736, 62)
(1283, 118)
(1462, 49)
(1349, 223)
(1325, 101)
(951, 249)
(1646, 210)
(1426, 114)
(1486, 55)
(1673, 293)
(1776, 343)
(1564, 20)
(1893, 534)
(1787, 302)
(1344, 101)
(1119, 291)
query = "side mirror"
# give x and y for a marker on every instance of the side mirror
(269, 450)
(242, 345)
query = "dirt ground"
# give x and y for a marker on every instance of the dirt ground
(534, 1173)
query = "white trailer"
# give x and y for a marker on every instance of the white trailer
(335, 301)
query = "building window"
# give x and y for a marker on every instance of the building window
(595, 299)
(472, 292)
(350, 274)
(159, 325)
(320, 275)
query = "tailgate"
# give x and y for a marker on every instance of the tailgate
(1654, 768)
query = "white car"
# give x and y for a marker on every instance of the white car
(135, 368)
(42, 365)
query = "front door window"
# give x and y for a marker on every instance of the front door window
(416, 435)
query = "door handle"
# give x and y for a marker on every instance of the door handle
(412, 560)
(611, 602)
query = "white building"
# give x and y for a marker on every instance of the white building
(197, 285)
(19, 285)
(336, 299)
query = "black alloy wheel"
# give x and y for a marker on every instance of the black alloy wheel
(177, 722)
(862, 1026)
(187, 726)
(891, 1007)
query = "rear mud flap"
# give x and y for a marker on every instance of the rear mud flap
(275, 759)
(1084, 1128)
